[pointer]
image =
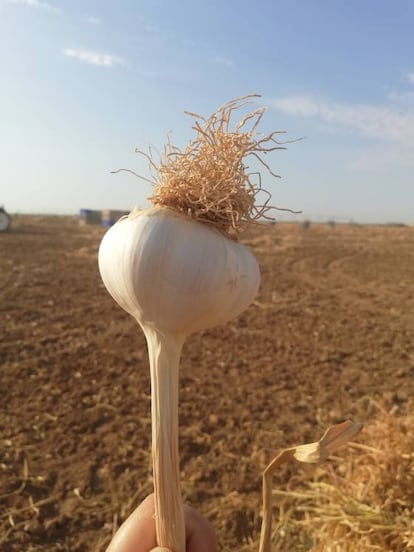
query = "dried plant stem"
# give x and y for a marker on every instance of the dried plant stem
(266, 532)
(311, 453)
(164, 353)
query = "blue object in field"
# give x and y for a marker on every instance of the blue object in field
(90, 216)
(111, 216)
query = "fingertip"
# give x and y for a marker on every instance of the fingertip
(200, 533)
(137, 533)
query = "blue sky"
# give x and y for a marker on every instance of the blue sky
(83, 83)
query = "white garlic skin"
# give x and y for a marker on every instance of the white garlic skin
(175, 274)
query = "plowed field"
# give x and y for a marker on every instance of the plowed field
(332, 327)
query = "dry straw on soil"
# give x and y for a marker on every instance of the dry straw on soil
(209, 180)
(365, 503)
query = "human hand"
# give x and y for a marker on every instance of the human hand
(137, 533)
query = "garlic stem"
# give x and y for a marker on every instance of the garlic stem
(164, 354)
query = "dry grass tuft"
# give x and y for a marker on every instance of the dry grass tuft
(365, 503)
(209, 180)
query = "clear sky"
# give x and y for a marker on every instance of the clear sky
(85, 82)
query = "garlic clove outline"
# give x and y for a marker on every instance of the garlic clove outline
(176, 274)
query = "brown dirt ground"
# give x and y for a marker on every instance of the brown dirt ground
(333, 325)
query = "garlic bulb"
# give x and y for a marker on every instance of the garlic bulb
(175, 276)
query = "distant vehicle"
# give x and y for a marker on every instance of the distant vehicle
(5, 220)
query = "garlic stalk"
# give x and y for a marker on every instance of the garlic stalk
(175, 276)
(164, 355)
